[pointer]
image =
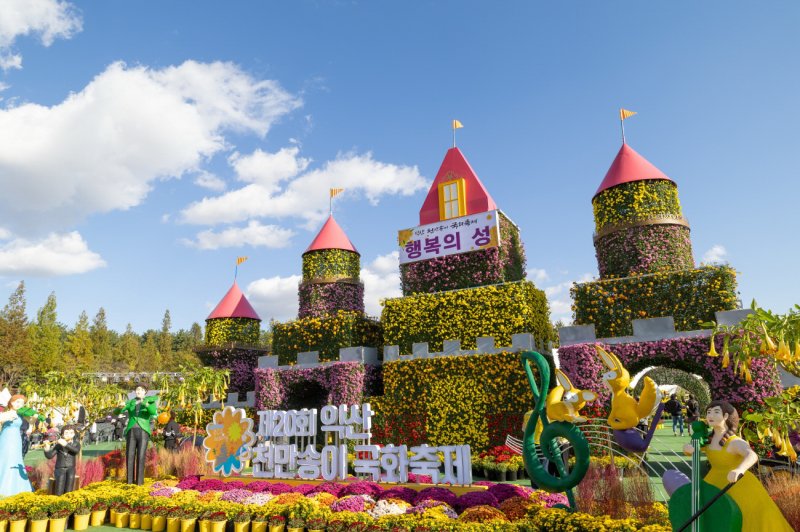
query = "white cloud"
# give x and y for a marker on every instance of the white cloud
(57, 254)
(559, 298)
(102, 148)
(381, 280)
(47, 19)
(274, 298)
(253, 234)
(304, 196)
(537, 275)
(210, 181)
(716, 255)
(5, 234)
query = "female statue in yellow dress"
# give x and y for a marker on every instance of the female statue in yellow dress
(730, 458)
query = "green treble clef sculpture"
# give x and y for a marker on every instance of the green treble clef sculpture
(551, 431)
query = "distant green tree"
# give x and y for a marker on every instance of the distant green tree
(101, 341)
(15, 343)
(46, 342)
(164, 343)
(130, 349)
(79, 344)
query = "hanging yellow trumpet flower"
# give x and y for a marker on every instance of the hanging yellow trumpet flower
(797, 350)
(790, 450)
(747, 376)
(713, 351)
(726, 359)
(783, 354)
(768, 346)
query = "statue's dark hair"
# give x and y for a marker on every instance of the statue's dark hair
(731, 424)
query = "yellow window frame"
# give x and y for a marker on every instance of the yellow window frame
(461, 199)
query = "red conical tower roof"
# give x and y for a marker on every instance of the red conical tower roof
(629, 166)
(455, 166)
(331, 236)
(234, 305)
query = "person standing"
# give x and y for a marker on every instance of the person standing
(13, 477)
(172, 432)
(692, 412)
(93, 433)
(65, 450)
(675, 409)
(25, 431)
(140, 410)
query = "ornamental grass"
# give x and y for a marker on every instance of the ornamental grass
(785, 491)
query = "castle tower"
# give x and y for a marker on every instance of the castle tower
(639, 225)
(233, 320)
(331, 269)
(463, 240)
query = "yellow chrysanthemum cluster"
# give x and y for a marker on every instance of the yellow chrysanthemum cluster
(223, 331)
(634, 201)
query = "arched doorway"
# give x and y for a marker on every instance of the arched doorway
(693, 384)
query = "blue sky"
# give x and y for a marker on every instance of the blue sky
(145, 145)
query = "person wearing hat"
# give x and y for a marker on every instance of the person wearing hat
(13, 477)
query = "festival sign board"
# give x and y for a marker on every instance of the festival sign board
(274, 455)
(449, 237)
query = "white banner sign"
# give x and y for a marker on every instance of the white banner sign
(456, 235)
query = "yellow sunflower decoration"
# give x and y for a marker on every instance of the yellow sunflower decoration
(230, 440)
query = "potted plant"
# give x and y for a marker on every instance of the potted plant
(59, 512)
(17, 519)
(513, 468)
(259, 522)
(189, 519)
(296, 524)
(502, 471)
(98, 513)
(277, 523)
(174, 519)
(217, 521)
(241, 521)
(316, 524)
(4, 515)
(159, 514)
(80, 517)
(38, 517)
(489, 469)
(146, 511)
(123, 514)
(135, 520)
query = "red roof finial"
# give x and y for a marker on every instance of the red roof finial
(629, 166)
(331, 236)
(234, 305)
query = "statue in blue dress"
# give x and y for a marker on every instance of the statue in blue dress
(13, 477)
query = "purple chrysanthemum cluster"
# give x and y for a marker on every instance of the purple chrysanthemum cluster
(476, 498)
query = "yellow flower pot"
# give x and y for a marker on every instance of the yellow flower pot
(204, 525)
(316, 530)
(159, 523)
(40, 525)
(241, 527)
(122, 520)
(218, 526)
(258, 526)
(80, 521)
(112, 516)
(3, 525)
(135, 521)
(58, 525)
(188, 525)
(173, 524)
(98, 517)
(277, 528)
(147, 522)
(290, 529)
(17, 526)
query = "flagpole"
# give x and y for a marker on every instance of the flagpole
(330, 204)
(454, 135)
(236, 271)
(622, 126)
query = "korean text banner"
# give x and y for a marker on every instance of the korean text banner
(449, 237)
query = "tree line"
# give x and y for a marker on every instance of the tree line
(34, 347)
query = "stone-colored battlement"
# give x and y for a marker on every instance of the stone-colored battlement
(233, 400)
(369, 355)
(647, 330)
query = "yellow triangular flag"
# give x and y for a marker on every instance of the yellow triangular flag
(336, 191)
(624, 113)
(240, 260)
(457, 124)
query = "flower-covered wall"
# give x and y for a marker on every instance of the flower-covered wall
(690, 296)
(326, 335)
(690, 354)
(644, 249)
(497, 310)
(241, 362)
(330, 283)
(449, 400)
(224, 331)
(505, 263)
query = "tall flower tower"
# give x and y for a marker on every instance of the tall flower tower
(233, 320)
(331, 269)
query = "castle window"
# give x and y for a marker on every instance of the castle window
(452, 199)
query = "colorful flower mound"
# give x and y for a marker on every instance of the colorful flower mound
(363, 487)
(325, 335)
(636, 201)
(690, 296)
(388, 507)
(432, 508)
(402, 493)
(483, 514)
(690, 354)
(431, 396)
(498, 311)
(436, 494)
(515, 508)
(476, 498)
(351, 503)
(502, 492)
(644, 249)
(505, 263)
(224, 331)
(229, 441)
